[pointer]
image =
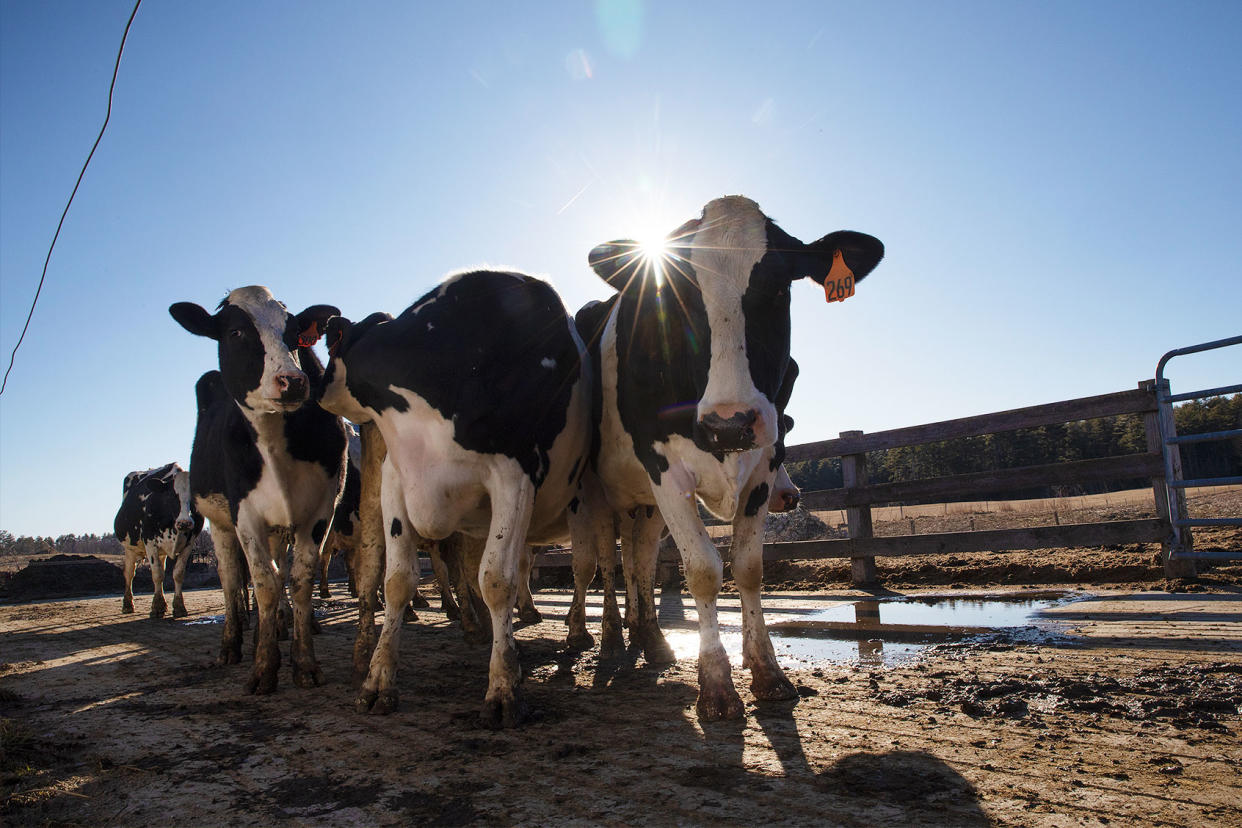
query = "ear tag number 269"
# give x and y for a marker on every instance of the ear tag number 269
(839, 284)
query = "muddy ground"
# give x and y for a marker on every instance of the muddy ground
(1129, 717)
(1127, 713)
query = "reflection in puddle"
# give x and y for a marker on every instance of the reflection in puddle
(884, 631)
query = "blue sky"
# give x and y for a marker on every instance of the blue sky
(1058, 184)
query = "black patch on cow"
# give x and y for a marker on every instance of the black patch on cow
(758, 497)
(225, 458)
(150, 506)
(590, 321)
(663, 346)
(491, 351)
(784, 421)
(347, 507)
(395, 531)
(240, 350)
(320, 529)
(650, 512)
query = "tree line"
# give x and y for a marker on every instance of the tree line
(27, 545)
(1083, 440)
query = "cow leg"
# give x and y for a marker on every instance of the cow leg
(306, 555)
(528, 613)
(464, 555)
(159, 605)
(325, 560)
(230, 567)
(767, 680)
(442, 583)
(180, 562)
(278, 548)
(369, 553)
(625, 529)
(378, 693)
(704, 573)
(351, 566)
(513, 500)
(268, 584)
(645, 543)
(132, 554)
(593, 535)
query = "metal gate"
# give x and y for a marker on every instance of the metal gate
(1183, 546)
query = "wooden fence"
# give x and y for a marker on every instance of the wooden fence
(857, 496)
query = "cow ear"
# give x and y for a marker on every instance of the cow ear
(856, 252)
(618, 263)
(194, 319)
(337, 332)
(312, 322)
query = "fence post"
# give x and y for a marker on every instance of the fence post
(858, 518)
(1175, 497)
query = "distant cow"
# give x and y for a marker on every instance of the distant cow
(158, 521)
(693, 353)
(480, 393)
(266, 468)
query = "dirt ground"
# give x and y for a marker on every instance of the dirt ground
(1131, 717)
(1127, 714)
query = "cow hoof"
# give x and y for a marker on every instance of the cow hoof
(451, 611)
(720, 706)
(156, 615)
(772, 686)
(611, 644)
(229, 655)
(420, 602)
(262, 684)
(127, 608)
(179, 610)
(508, 712)
(386, 702)
(657, 650)
(580, 641)
(530, 616)
(325, 593)
(410, 615)
(364, 702)
(307, 676)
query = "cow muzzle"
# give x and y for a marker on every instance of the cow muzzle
(183, 525)
(292, 388)
(738, 432)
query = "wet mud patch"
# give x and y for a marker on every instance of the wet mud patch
(429, 808)
(308, 797)
(1186, 696)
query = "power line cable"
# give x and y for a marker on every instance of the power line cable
(61, 224)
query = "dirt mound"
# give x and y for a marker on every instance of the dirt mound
(61, 576)
(795, 526)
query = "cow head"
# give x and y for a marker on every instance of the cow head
(339, 392)
(259, 343)
(730, 271)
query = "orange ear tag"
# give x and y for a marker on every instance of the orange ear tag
(839, 284)
(309, 336)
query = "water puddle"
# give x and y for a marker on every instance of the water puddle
(888, 631)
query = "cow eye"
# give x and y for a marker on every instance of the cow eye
(237, 333)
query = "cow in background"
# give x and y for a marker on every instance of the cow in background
(266, 468)
(693, 351)
(157, 520)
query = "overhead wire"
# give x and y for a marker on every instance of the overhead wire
(107, 117)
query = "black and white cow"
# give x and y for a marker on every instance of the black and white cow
(158, 521)
(480, 392)
(693, 354)
(266, 468)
